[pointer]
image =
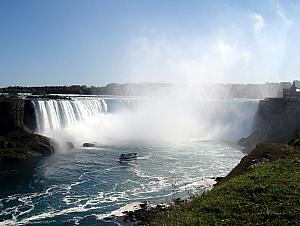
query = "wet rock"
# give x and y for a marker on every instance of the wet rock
(88, 145)
(43, 148)
(144, 205)
(144, 215)
(21, 144)
(109, 218)
(217, 179)
(177, 201)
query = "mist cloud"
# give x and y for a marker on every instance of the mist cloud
(259, 23)
(252, 53)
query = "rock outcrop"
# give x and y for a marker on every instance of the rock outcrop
(16, 114)
(88, 145)
(20, 144)
(17, 124)
(277, 121)
(11, 114)
(261, 153)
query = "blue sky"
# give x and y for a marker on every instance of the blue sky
(95, 42)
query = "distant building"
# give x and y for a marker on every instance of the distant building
(293, 92)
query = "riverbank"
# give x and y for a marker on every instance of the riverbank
(263, 189)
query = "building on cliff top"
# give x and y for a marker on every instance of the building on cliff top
(293, 92)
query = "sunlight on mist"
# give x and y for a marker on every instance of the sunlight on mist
(163, 119)
(229, 54)
(188, 111)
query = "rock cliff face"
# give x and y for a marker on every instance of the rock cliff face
(29, 116)
(11, 114)
(280, 117)
(17, 124)
(277, 121)
(16, 114)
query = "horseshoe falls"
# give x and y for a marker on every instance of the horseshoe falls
(123, 119)
(59, 114)
(181, 145)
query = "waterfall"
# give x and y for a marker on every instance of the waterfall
(59, 114)
(110, 119)
(231, 120)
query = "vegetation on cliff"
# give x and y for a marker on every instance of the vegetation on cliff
(266, 194)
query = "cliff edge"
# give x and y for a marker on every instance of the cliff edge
(277, 121)
(17, 124)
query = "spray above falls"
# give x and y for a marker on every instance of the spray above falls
(116, 120)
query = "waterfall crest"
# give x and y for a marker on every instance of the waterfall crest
(59, 114)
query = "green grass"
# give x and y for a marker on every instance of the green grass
(268, 194)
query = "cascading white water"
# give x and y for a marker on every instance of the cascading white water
(168, 119)
(59, 114)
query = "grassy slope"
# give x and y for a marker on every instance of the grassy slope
(267, 194)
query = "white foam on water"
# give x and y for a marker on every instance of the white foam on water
(49, 214)
(204, 184)
(121, 211)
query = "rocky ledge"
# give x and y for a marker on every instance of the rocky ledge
(20, 145)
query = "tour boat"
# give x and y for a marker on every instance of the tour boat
(128, 156)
